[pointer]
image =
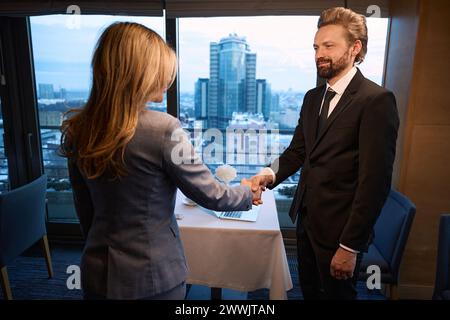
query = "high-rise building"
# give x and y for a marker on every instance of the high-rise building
(263, 98)
(232, 85)
(213, 90)
(275, 107)
(46, 91)
(62, 93)
(250, 82)
(201, 99)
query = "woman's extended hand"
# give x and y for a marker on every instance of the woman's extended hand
(256, 191)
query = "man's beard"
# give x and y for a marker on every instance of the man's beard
(334, 68)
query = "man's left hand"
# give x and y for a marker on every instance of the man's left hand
(343, 264)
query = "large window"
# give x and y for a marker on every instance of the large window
(250, 74)
(62, 53)
(373, 65)
(241, 75)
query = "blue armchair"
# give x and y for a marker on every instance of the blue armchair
(442, 283)
(391, 233)
(22, 224)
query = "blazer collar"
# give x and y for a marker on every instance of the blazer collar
(343, 103)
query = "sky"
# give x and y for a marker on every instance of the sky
(283, 46)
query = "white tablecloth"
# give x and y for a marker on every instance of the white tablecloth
(238, 255)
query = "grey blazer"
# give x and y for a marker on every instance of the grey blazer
(133, 249)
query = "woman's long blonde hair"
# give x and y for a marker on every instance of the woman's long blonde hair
(131, 65)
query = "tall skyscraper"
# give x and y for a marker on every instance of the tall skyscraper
(201, 99)
(232, 85)
(275, 107)
(263, 98)
(250, 81)
(213, 96)
(62, 93)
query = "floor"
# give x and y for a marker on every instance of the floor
(29, 280)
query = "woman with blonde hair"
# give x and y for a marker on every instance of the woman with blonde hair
(124, 171)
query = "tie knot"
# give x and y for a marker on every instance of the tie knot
(330, 94)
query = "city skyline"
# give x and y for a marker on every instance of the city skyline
(285, 62)
(285, 55)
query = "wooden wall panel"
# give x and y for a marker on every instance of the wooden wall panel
(432, 74)
(427, 185)
(399, 62)
(423, 167)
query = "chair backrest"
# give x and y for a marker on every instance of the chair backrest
(392, 229)
(22, 218)
(442, 282)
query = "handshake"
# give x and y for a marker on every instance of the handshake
(258, 184)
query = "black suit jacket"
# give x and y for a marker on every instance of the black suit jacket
(347, 170)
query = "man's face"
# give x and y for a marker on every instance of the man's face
(333, 52)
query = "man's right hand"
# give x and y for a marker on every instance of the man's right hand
(260, 181)
(256, 192)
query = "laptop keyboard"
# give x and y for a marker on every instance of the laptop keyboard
(232, 214)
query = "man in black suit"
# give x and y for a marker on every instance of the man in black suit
(345, 144)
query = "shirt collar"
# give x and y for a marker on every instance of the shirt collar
(340, 86)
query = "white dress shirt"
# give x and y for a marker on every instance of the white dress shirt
(339, 87)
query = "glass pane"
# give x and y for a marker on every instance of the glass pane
(62, 53)
(251, 73)
(4, 178)
(373, 65)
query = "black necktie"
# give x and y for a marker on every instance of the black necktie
(325, 108)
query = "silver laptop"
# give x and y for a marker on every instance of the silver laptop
(250, 215)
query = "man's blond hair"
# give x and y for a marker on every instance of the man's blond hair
(355, 24)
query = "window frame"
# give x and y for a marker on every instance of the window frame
(19, 102)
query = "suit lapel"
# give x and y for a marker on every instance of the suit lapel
(343, 103)
(317, 101)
